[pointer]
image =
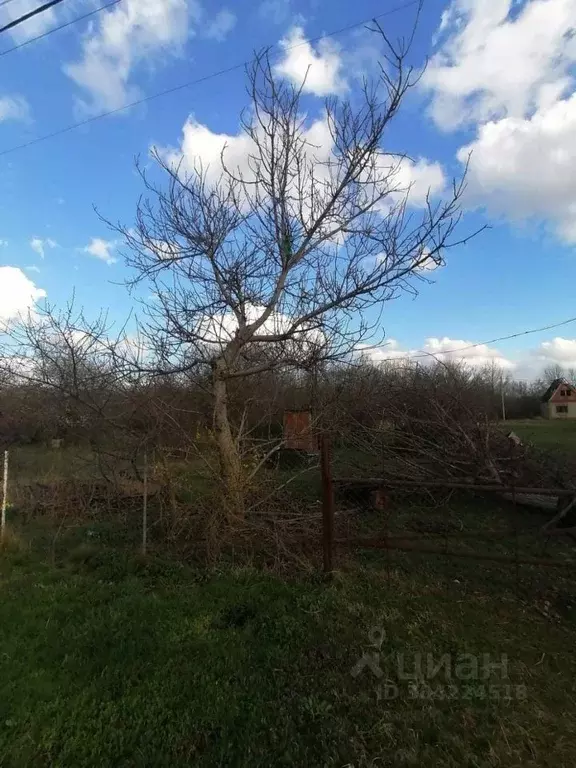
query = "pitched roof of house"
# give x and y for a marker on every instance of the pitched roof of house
(553, 387)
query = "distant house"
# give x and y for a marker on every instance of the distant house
(559, 400)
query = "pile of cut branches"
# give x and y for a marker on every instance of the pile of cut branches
(428, 432)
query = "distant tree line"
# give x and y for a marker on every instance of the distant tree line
(67, 388)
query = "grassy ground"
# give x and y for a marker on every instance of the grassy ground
(110, 660)
(546, 433)
(39, 463)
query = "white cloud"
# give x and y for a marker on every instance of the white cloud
(17, 293)
(426, 263)
(416, 179)
(202, 147)
(319, 70)
(163, 249)
(393, 179)
(39, 245)
(501, 58)
(385, 353)
(462, 350)
(444, 349)
(4, 243)
(134, 32)
(220, 329)
(220, 26)
(101, 249)
(413, 179)
(402, 177)
(509, 68)
(33, 268)
(14, 108)
(557, 350)
(524, 364)
(525, 168)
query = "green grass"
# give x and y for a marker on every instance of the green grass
(38, 463)
(108, 660)
(546, 433)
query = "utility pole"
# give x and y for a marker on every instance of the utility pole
(502, 398)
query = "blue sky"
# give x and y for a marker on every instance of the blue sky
(500, 83)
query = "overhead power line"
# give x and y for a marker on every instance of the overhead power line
(211, 76)
(59, 27)
(480, 343)
(197, 81)
(30, 14)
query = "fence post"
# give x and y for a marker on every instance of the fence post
(327, 504)
(4, 496)
(145, 505)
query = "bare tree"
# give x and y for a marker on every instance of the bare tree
(276, 260)
(552, 372)
(71, 363)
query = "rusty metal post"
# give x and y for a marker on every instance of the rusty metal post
(388, 549)
(327, 504)
(516, 567)
(145, 505)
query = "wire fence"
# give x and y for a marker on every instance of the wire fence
(326, 507)
(60, 497)
(521, 531)
(159, 500)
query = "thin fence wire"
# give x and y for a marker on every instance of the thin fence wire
(451, 528)
(161, 501)
(342, 504)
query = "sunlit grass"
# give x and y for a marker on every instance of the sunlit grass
(110, 660)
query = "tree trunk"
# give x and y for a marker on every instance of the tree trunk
(229, 455)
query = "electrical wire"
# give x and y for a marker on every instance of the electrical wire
(479, 343)
(197, 81)
(57, 29)
(218, 73)
(30, 14)
(210, 76)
